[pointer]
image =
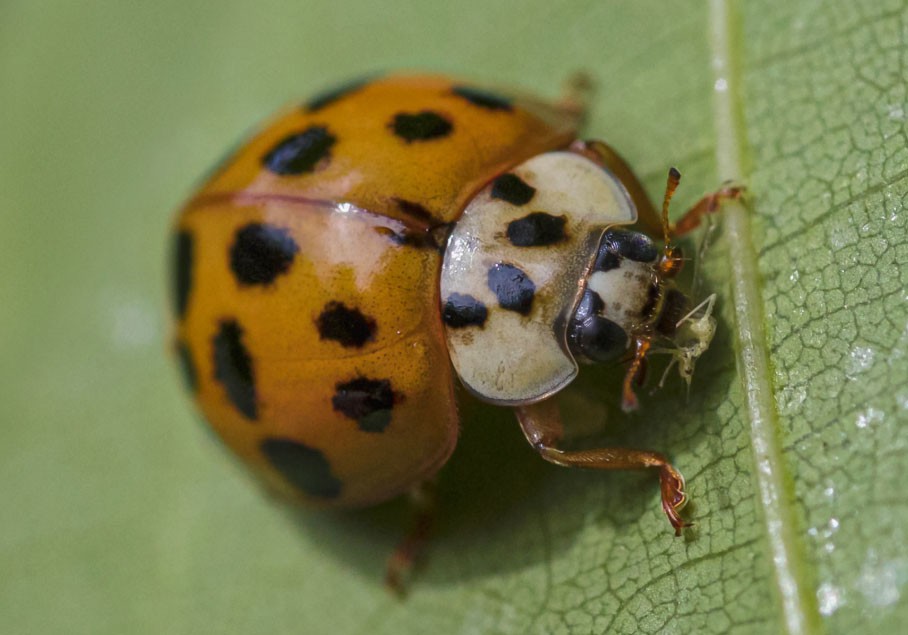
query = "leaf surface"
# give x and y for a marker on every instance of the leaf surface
(122, 515)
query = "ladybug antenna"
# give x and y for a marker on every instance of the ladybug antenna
(672, 260)
(674, 178)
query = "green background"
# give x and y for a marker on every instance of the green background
(119, 513)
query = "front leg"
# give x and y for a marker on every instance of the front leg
(542, 426)
(709, 204)
(649, 219)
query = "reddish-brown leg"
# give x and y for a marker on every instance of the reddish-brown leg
(709, 204)
(408, 551)
(649, 220)
(541, 424)
(628, 397)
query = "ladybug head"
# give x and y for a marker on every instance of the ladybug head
(631, 307)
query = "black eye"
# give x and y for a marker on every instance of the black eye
(592, 336)
(590, 304)
(621, 243)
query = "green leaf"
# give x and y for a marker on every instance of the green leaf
(122, 515)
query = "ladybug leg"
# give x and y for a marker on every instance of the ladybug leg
(541, 424)
(408, 551)
(709, 204)
(649, 219)
(634, 374)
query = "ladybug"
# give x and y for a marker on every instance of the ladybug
(370, 247)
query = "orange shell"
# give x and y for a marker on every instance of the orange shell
(354, 249)
(374, 169)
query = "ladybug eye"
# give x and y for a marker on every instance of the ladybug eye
(621, 243)
(592, 336)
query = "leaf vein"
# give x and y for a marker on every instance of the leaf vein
(798, 602)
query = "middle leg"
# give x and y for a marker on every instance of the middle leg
(542, 426)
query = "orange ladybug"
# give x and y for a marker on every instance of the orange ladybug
(337, 273)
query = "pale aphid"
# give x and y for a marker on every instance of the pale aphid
(694, 335)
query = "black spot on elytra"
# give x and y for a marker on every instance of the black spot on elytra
(415, 210)
(345, 325)
(367, 401)
(182, 272)
(483, 98)
(536, 230)
(306, 468)
(233, 368)
(260, 253)
(512, 189)
(513, 287)
(462, 310)
(332, 95)
(301, 152)
(421, 126)
(187, 366)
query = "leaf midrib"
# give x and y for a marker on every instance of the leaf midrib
(800, 613)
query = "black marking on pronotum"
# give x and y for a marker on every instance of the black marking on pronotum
(461, 310)
(332, 95)
(483, 98)
(421, 126)
(346, 325)
(512, 189)
(536, 230)
(306, 468)
(261, 252)
(182, 272)
(300, 152)
(512, 286)
(233, 368)
(367, 401)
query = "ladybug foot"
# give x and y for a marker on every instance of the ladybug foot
(541, 424)
(674, 497)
